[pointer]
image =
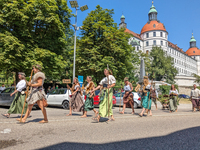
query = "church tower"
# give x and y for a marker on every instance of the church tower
(122, 24)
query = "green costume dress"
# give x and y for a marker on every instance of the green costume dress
(146, 101)
(173, 101)
(89, 103)
(18, 102)
(105, 109)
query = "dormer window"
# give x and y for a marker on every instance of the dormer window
(193, 51)
(154, 25)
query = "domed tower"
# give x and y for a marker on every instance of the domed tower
(194, 52)
(122, 24)
(154, 33)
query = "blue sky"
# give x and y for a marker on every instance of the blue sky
(180, 17)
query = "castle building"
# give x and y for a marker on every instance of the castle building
(154, 33)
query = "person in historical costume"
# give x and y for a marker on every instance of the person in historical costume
(37, 93)
(89, 102)
(76, 102)
(128, 96)
(146, 99)
(154, 97)
(194, 97)
(18, 102)
(173, 93)
(105, 106)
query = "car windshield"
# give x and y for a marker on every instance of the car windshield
(8, 90)
(118, 94)
(54, 91)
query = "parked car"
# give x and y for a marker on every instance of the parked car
(96, 98)
(59, 97)
(5, 98)
(136, 98)
(183, 96)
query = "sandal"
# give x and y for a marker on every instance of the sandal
(6, 115)
(43, 121)
(84, 116)
(140, 115)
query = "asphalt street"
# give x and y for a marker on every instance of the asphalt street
(163, 130)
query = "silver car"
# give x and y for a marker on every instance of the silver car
(136, 98)
(5, 98)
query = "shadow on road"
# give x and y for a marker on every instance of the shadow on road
(183, 140)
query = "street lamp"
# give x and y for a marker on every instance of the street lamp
(74, 4)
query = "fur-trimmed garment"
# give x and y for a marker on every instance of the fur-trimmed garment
(37, 93)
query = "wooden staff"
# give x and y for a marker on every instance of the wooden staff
(108, 92)
(120, 98)
(14, 80)
(26, 96)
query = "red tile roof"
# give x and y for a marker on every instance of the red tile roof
(153, 25)
(175, 47)
(133, 33)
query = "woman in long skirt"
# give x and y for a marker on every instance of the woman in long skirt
(105, 108)
(18, 102)
(37, 93)
(89, 102)
(76, 103)
(173, 99)
(128, 96)
(146, 99)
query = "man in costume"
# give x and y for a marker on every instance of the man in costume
(194, 96)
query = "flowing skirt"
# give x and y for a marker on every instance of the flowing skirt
(76, 102)
(173, 103)
(35, 95)
(146, 101)
(103, 106)
(89, 103)
(17, 104)
(128, 98)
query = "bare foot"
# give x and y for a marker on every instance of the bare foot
(140, 115)
(6, 115)
(43, 121)
(170, 111)
(84, 116)
(176, 110)
(69, 115)
(133, 113)
(122, 112)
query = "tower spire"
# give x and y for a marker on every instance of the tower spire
(192, 41)
(152, 13)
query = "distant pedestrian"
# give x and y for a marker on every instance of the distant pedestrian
(17, 104)
(2, 87)
(154, 97)
(195, 98)
(49, 89)
(173, 93)
(37, 93)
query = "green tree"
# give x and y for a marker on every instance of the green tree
(33, 31)
(162, 66)
(103, 43)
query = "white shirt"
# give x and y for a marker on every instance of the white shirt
(148, 86)
(175, 92)
(2, 88)
(127, 88)
(195, 93)
(21, 85)
(112, 80)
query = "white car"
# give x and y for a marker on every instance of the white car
(59, 97)
(136, 98)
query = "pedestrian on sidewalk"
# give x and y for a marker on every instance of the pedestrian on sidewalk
(17, 104)
(37, 94)
(76, 103)
(194, 97)
(89, 102)
(2, 87)
(173, 93)
(128, 96)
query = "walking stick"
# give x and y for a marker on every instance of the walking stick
(108, 93)
(26, 96)
(14, 80)
(120, 98)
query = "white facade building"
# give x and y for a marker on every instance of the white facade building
(154, 33)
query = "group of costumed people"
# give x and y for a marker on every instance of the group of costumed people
(36, 95)
(76, 104)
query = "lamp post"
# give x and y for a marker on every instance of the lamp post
(74, 4)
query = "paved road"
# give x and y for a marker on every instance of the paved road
(163, 130)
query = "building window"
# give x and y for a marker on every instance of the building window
(147, 35)
(161, 42)
(165, 35)
(154, 34)
(154, 42)
(161, 34)
(193, 51)
(194, 57)
(147, 43)
(154, 25)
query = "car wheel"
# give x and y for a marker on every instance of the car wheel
(65, 105)
(135, 105)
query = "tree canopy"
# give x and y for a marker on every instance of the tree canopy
(33, 31)
(161, 66)
(102, 43)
